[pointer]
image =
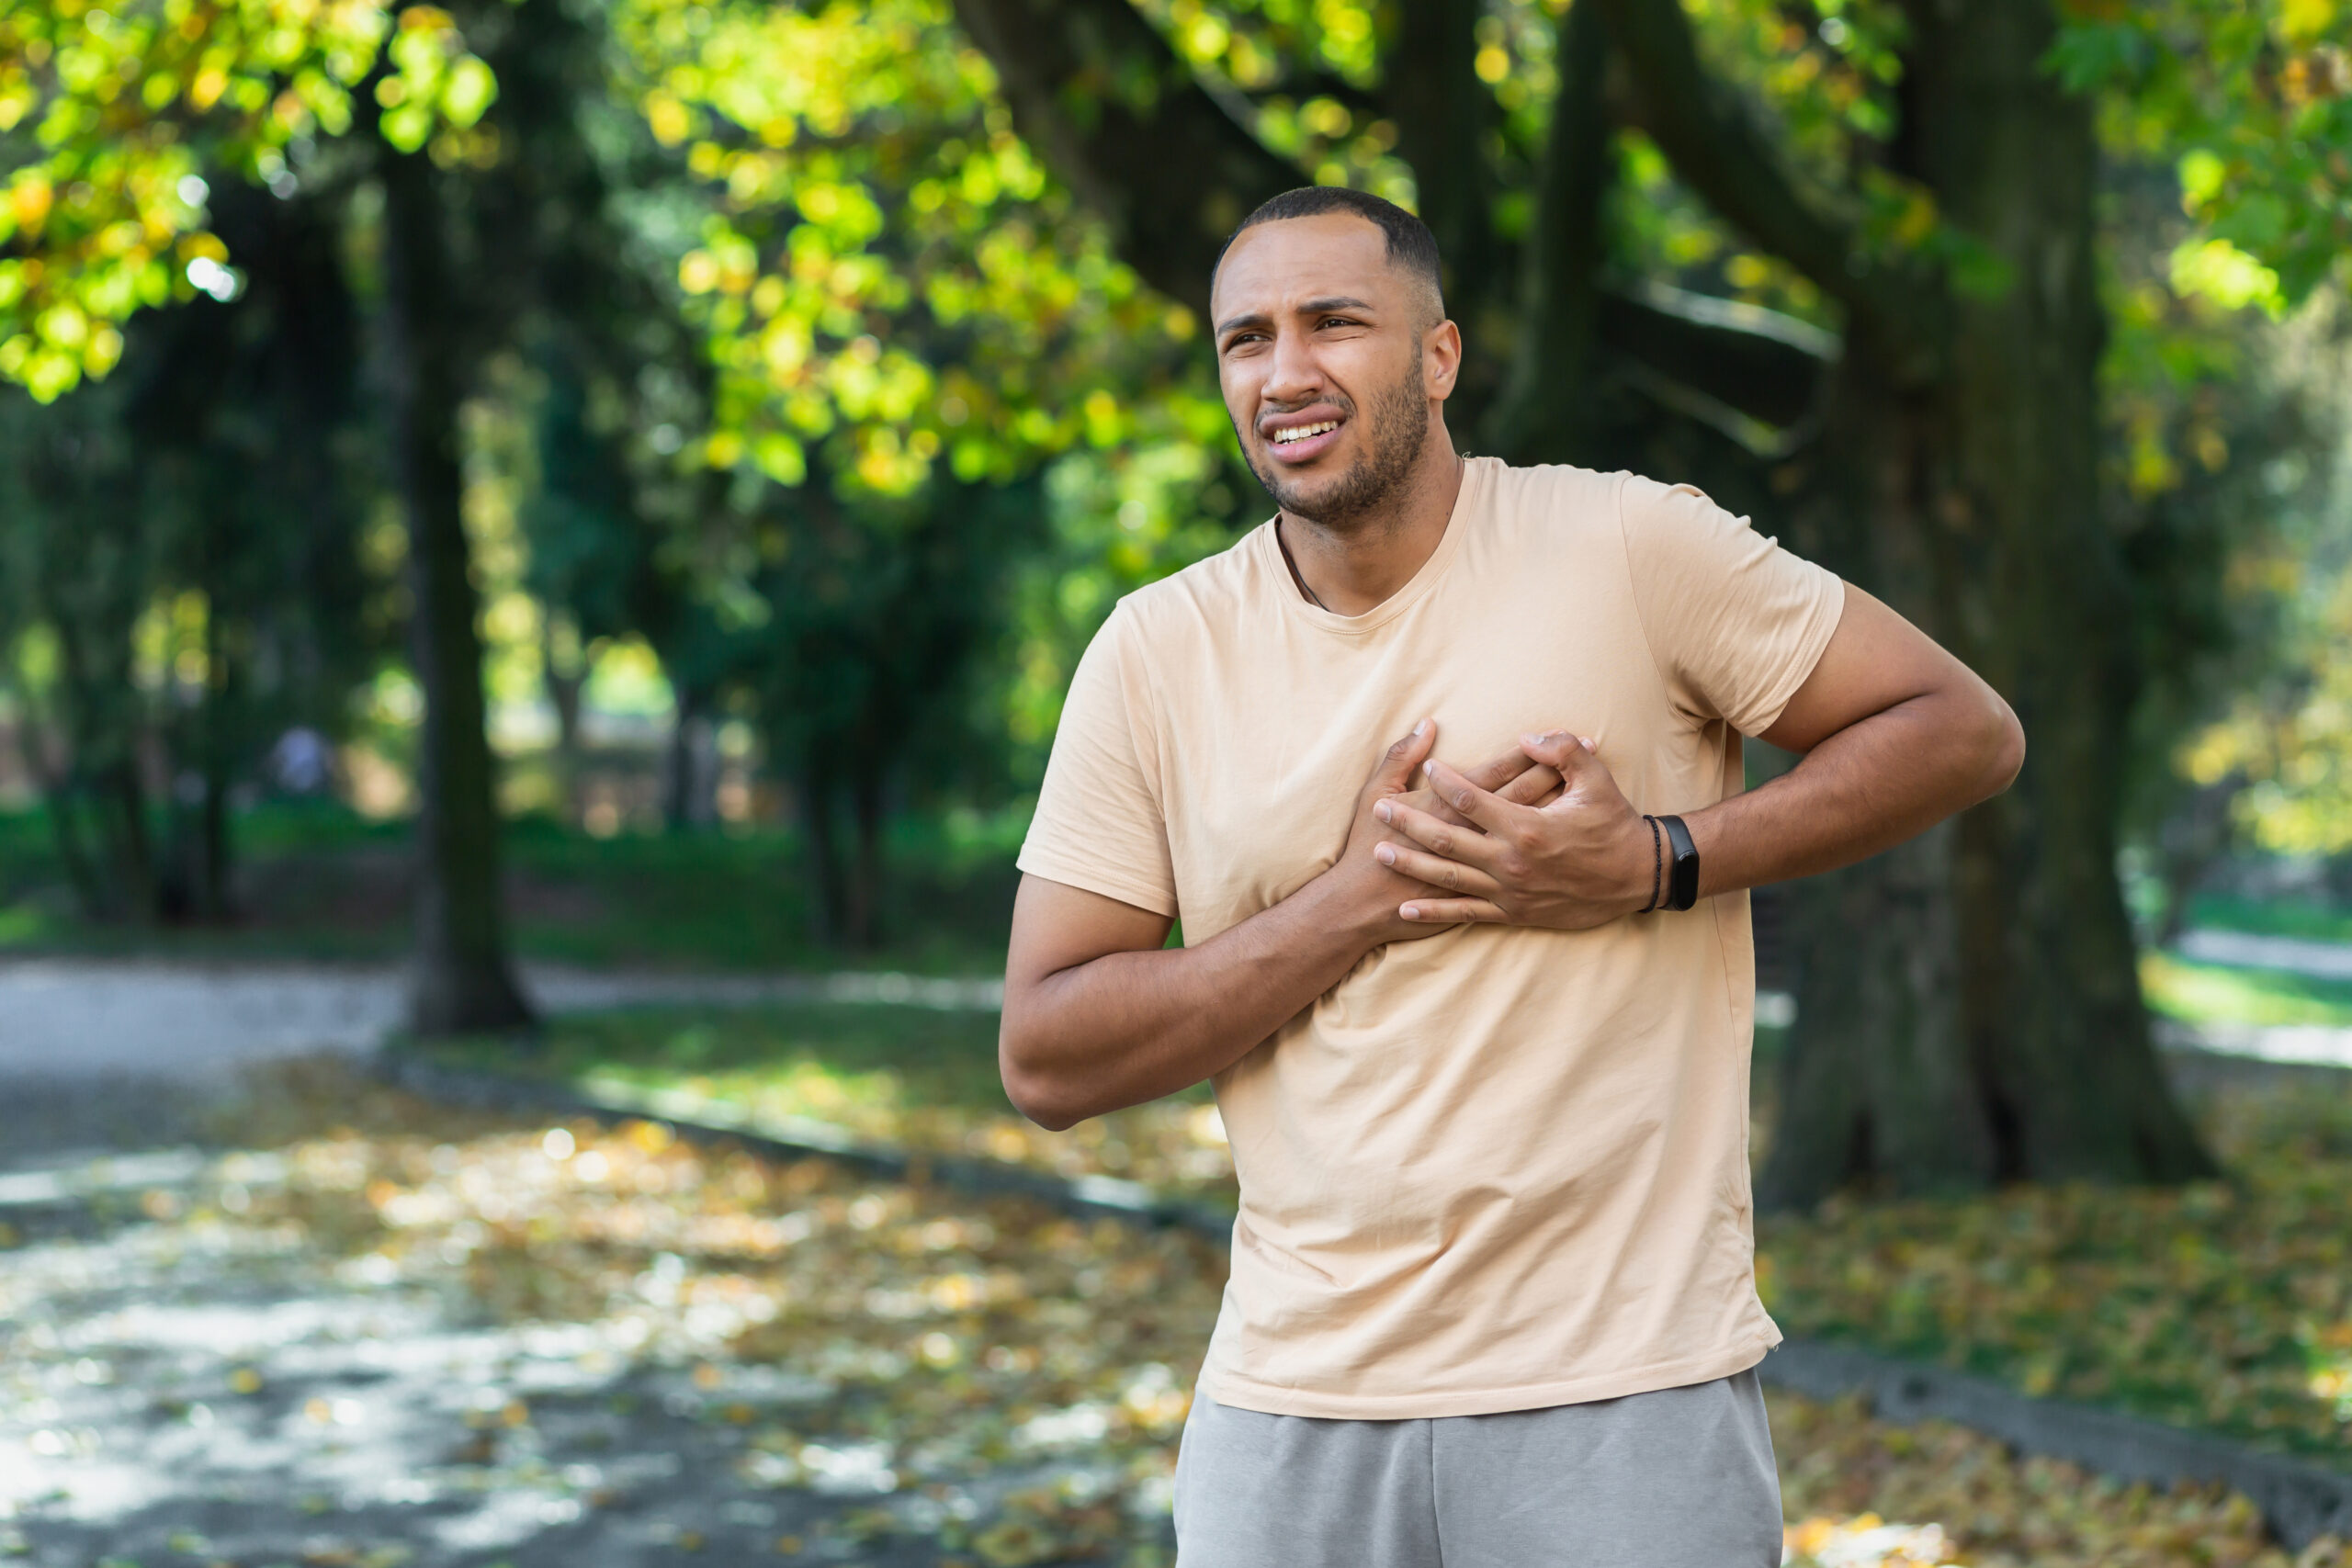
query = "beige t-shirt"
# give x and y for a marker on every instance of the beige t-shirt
(1495, 1168)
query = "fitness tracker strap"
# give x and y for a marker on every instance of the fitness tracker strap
(1682, 881)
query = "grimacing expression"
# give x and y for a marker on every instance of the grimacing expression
(1319, 342)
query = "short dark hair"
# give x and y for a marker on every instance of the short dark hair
(1411, 246)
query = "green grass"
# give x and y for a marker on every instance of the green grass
(908, 1075)
(320, 883)
(2280, 916)
(860, 1066)
(2214, 993)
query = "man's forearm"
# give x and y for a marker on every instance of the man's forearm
(1865, 788)
(1130, 1027)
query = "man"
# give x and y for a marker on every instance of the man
(1481, 1045)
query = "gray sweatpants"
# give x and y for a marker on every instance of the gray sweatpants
(1678, 1478)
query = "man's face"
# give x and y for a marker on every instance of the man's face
(1329, 363)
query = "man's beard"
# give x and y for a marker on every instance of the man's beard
(1392, 445)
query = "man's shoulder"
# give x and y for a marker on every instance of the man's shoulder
(1618, 503)
(1206, 593)
(1553, 492)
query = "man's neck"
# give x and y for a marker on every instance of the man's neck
(1352, 572)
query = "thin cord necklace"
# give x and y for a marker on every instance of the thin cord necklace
(1281, 545)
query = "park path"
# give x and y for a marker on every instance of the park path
(63, 1017)
(73, 1019)
(2253, 950)
(136, 1053)
(219, 1357)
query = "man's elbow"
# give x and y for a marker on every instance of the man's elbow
(1035, 1094)
(2002, 748)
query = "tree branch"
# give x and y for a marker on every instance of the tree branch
(1715, 148)
(1766, 367)
(1119, 117)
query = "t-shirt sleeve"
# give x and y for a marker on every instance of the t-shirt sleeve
(1734, 621)
(1099, 824)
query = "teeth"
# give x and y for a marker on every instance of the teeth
(1301, 432)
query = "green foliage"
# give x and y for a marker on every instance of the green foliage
(164, 606)
(837, 398)
(882, 267)
(110, 118)
(2253, 103)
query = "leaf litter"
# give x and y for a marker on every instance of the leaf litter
(2225, 1305)
(472, 1338)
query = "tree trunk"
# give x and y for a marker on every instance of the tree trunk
(2049, 973)
(1444, 116)
(1970, 1007)
(865, 883)
(1545, 412)
(817, 805)
(564, 689)
(211, 883)
(122, 808)
(1878, 1085)
(2197, 838)
(461, 981)
(690, 771)
(40, 735)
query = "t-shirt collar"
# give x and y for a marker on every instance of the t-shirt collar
(1477, 473)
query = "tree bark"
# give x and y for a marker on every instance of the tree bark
(1969, 1009)
(1878, 1084)
(832, 877)
(2042, 605)
(690, 769)
(564, 690)
(1445, 115)
(865, 883)
(1546, 410)
(461, 981)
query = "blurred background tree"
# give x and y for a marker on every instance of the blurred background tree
(846, 360)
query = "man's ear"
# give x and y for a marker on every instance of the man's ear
(1441, 359)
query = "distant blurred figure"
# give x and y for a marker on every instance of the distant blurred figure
(302, 762)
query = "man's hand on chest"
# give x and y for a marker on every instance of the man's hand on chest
(1371, 884)
(1581, 857)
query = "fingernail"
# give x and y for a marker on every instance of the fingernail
(1422, 727)
(1410, 911)
(1586, 742)
(1532, 739)
(1385, 854)
(1381, 811)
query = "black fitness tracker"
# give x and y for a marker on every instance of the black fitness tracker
(1683, 880)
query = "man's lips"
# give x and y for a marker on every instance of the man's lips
(1305, 449)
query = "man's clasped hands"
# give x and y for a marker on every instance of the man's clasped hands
(1540, 836)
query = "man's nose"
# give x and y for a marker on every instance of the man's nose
(1294, 377)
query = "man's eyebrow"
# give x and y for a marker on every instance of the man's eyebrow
(1311, 308)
